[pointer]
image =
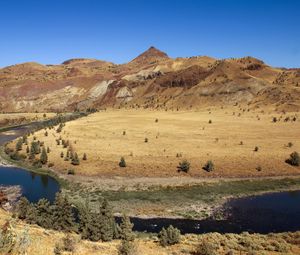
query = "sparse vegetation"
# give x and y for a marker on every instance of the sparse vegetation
(122, 162)
(209, 166)
(184, 166)
(294, 159)
(169, 236)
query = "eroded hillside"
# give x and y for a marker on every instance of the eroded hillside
(151, 80)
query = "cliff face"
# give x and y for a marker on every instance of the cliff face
(151, 80)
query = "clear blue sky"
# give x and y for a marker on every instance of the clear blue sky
(51, 31)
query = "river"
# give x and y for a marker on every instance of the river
(276, 212)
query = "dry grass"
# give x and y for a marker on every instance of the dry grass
(7, 119)
(185, 134)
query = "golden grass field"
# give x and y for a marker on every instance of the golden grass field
(7, 119)
(101, 136)
(43, 241)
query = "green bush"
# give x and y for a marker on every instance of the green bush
(122, 162)
(184, 166)
(169, 236)
(205, 248)
(294, 159)
(209, 166)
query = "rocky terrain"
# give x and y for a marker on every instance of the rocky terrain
(151, 80)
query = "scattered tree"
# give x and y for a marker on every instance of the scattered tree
(169, 236)
(294, 159)
(183, 166)
(122, 162)
(209, 166)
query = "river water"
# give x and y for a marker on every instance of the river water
(277, 212)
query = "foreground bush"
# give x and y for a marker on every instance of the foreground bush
(169, 236)
(205, 248)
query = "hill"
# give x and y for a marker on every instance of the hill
(151, 80)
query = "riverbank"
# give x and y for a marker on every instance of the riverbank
(192, 198)
(166, 197)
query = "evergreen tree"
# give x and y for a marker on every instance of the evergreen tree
(85, 220)
(31, 216)
(63, 217)
(122, 162)
(44, 213)
(107, 222)
(48, 150)
(75, 159)
(84, 156)
(22, 208)
(126, 229)
(44, 156)
(169, 236)
(19, 144)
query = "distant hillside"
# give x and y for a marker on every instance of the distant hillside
(151, 80)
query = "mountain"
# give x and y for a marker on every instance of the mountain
(151, 80)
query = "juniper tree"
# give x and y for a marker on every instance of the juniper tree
(169, 236)
(19, 144)
(122, 162)
(75, 159)
(63, 217)
(107, 221)
(126, 229)
(44, 213)
(22, 208)
(183, 166)
(209, 166)
(44, 156)
(294, 159)
(85, 220)
(31, 216)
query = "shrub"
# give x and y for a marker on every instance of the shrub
(169, 236)
(209, 166)
(294, 159)
(62, 154)
(75, 159)
(258, 168)
(256, 148)
(84, 156)
(290, 144)
(183, 166)
(205, 248)
(210, 121)
(50, 164)
(44, 157)
(19, 144)
(274, 119)
(68, 243)
(122, 162)
(46, 133)
(126, 248)
(71, 172)
(146, 140)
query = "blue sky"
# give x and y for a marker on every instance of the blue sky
(51, 31)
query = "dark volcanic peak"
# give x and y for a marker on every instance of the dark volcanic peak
(151, 54)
